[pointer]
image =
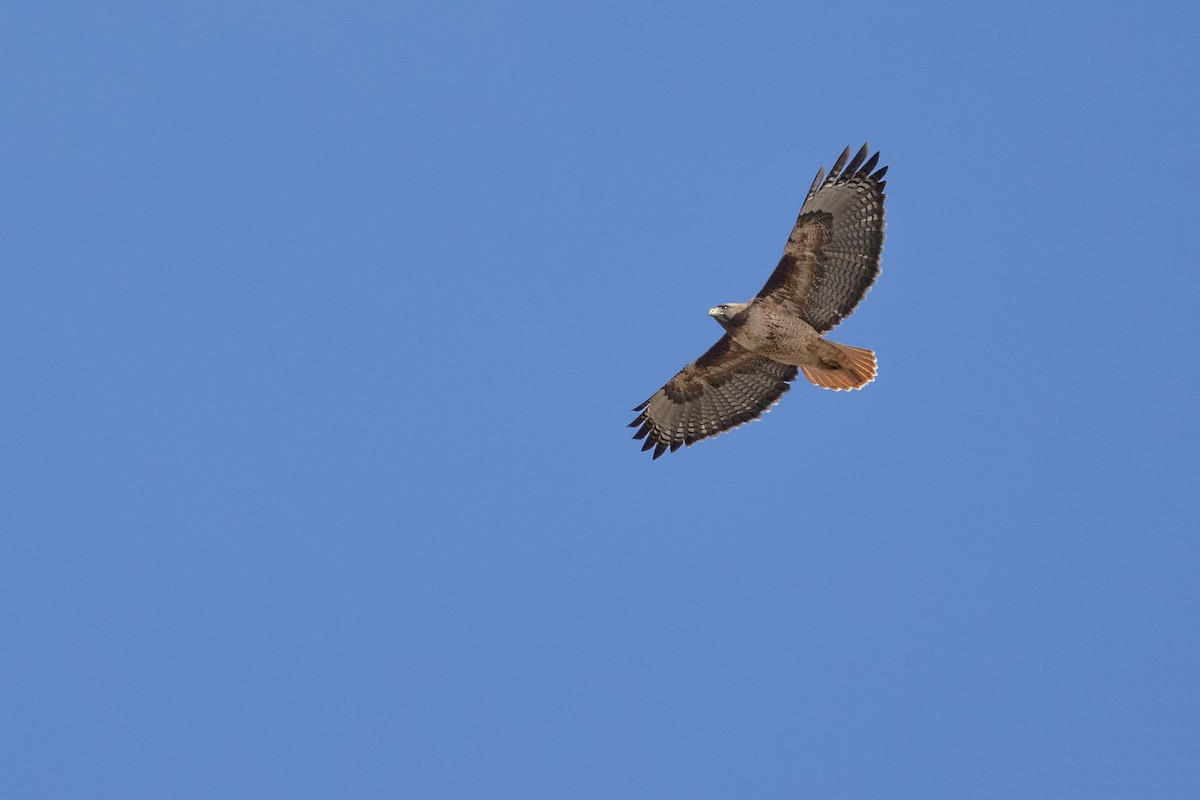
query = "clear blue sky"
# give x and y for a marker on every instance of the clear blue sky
(320, 327)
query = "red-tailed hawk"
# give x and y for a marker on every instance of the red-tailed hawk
(830, 261)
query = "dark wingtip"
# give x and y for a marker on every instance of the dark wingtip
(837, 166)
(817, 181)
(852, 167)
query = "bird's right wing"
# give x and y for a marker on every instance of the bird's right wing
(722, 389)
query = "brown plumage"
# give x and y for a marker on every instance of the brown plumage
(828, 265)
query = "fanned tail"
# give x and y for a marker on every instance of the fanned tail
(856, 369)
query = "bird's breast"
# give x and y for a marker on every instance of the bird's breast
(781, 337)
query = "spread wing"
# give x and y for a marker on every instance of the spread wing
(832, 257)
(721, 389)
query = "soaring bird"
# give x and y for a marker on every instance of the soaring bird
(829, 263)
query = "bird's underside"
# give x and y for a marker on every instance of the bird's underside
(829, 263)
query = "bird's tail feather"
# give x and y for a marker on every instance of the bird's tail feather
(856, 369)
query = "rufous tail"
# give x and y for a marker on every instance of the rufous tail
(856, 368)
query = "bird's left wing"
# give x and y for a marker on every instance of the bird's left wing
(832, 256)
(722, 389)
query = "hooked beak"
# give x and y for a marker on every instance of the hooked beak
(716, 312)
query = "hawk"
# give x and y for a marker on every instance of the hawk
(830, 261)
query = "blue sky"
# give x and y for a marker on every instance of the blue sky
(321, 326)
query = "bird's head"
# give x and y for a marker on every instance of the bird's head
(725, 312)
